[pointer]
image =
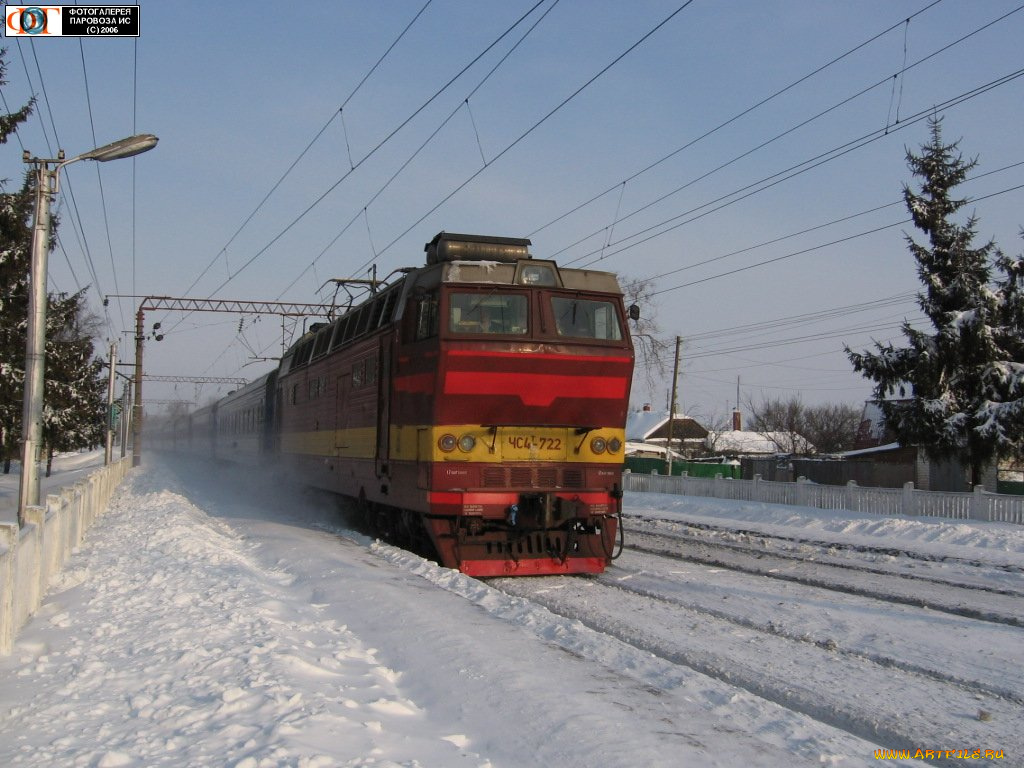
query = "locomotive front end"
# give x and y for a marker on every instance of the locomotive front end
(524, 370)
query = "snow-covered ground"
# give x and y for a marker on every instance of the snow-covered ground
(214, 619)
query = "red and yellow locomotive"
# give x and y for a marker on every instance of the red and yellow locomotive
(477, 405)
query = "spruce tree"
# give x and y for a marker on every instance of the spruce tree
(15, 257)
(951, 390)
(1005, 380)
(75, 390)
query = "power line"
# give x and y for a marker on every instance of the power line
(99, 180)
(813, 228)
(363, 211)
(733, 119)
(865, 139)
(372, 152)
(309, 146)
(817, 247)
(418, 150)
(540, 122)
(76, 221)
(793, 171)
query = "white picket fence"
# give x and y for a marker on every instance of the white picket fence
(979, 505)
(31, 556)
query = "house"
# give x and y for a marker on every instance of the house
(740, 443)
(877, 444)
(647, 430)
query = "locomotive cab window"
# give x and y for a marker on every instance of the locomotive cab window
(426, 317)
(488, 313)
(586, 319)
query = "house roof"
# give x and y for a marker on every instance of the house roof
(870, 451)
(650, 450)
(734, 441)
(645, 425)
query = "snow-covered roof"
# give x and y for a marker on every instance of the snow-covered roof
(649, 450)
(871, 431)
(734, 441)
(640, 424)
(871, 450)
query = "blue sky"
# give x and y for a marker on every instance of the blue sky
(237, 91)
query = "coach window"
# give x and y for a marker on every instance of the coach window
(586, 319)
(487, 313)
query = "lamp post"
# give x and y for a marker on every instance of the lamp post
(47, 187)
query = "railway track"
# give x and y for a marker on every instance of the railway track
(977, 601)
(868, 558)
(813, 643)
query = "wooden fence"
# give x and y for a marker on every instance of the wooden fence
(979, 505)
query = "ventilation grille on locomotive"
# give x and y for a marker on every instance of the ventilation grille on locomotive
(531, 477)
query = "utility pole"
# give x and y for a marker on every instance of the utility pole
(137, 407)
(111, 380)
(126, 416)
(672, 408)
(35, 354)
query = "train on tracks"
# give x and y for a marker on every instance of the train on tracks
(475, 408)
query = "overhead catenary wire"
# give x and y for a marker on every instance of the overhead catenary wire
(766, 100)
(540, 122)
(881, 133)
(67, 187)
(334, 115)
(815, 227)
(99, 181)
(383, 250)
(817, 247)
(371, 153)
(420, 149)
(394, 132)
(767, 182)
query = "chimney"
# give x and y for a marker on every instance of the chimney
(737, 421)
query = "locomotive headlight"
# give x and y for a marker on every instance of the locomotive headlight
(598, 444)
(467, 443)
(446, 443)
(537, 274)
(614, 445)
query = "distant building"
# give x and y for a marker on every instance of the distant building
(876, 442)
(647, 431)
(741, 443)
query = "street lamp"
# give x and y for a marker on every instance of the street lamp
(47, 186)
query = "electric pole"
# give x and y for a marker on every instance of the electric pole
(672, 408)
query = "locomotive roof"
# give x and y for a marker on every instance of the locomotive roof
(462, 259)
(453, 257)
(506, 273)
